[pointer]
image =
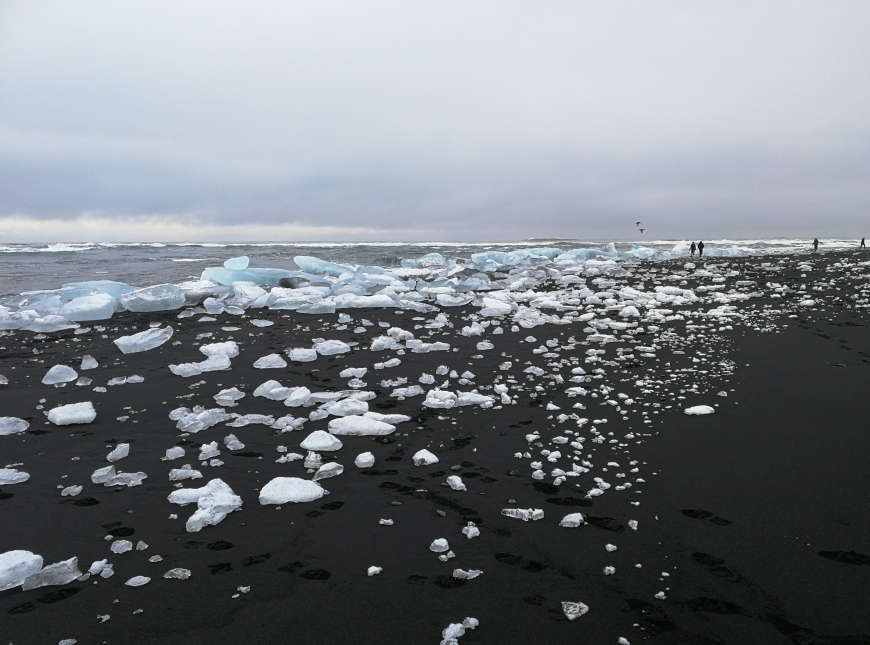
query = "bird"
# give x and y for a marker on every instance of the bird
(637, 224)
(641, 230)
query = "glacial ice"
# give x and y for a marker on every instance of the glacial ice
(73, 413)
(12, 425)
(143, 341)
(161, 297)
(321, 441)
(282, 490)
(16, 567)
(332, 469)
(301, 355)
(360, 426)
(699, 410)
(214, 501)
(88, 363)
(98, 306)
(237, 264)
(574, 610)
(424, 458)
(59, 374)
(120, 451)
(364, 460)
(271, 361)
(9, 476)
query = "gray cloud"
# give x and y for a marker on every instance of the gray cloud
(487, 121)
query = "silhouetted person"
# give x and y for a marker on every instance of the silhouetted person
(692, 249)
(700, 249)
(815, 244)
(862, 243)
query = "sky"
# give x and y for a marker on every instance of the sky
(467, 121)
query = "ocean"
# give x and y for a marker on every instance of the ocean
(29, 267)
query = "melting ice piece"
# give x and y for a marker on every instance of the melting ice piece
(237, 264)
(360, 426)
(96, 306)
(219, 355)
(12, 425)
(121, 546)
(331, 469)
(364, 460)
(346, 407)
(524, 514)
(574, 610)
(424, 458)
(321, 441)
(16, 567)
(59, 573)
(73, 413)
(439, 546)
(161, 297)
(184, 473)
(471, 574)
(455, 482)
(175, 452)
(50, 323)
(71, 491)
(471, 531)
(59, 374)
(699, 409)
(177, 574)
(88, 363)
(353, 372)
(144, 340)
(282, 490)
(120, 451)
(451, 634)
(214, 501)
(227, 398)
(572, 520)
(301, 355)
(331, 347)
(272, 361)
(138, 581)
(373, 571)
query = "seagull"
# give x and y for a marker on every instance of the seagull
(641, 230)
(637, 224)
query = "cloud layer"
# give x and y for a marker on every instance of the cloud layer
(395, 120)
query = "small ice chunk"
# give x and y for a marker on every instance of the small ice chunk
(471, 574)
(9, 476)
(470, 531)
(321, 441)
(237, 264)
(59, 573)
(214, 501)
(354, 425)
(572, 520)
(120, 451)
(364, 460)
(88, 363)
(439, 546)
(208, 451)
(331, 347)
(175, 452)
(71, 491)
(451, 634)
(262, 323)
(177, 574)
(373, 571)
(424, 458)
(331, 469)
(574, 610)
(138, 581)
(699, 409)
(232, 442)
(301, 355)
(272, 361)
(12, 425)
(59, 374)
(73, 413)
(524, 514)
(227, 398)
(282, 490)
(121, 546)
(16, 567)
(353, 372)
(455, 482)
(610, 548)
(144, 341)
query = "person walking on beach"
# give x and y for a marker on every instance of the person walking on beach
(700, 249)
(692, 249)
(863, 246)
(815, 244)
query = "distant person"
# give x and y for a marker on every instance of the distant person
(700, 249)
(816, 244)
(692, 249)
(863, 246)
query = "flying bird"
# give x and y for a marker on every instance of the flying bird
(641, 230)
(637, 224)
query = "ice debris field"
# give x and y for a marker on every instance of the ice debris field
(596, 344)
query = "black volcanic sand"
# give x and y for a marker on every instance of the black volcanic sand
(757, 512)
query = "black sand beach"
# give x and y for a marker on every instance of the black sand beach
(756, 513)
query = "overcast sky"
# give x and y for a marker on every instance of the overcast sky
(449, 120)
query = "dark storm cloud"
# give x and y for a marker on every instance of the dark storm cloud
(491, 121)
